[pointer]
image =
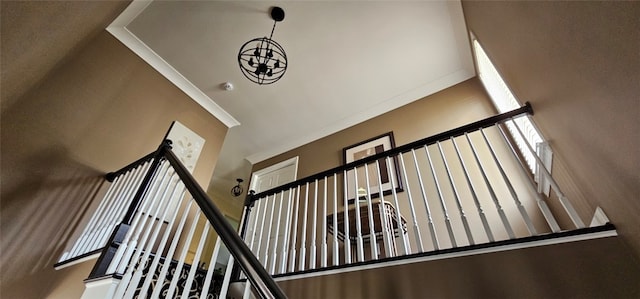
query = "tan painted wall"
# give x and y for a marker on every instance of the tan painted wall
(577, 63)
(94, 112)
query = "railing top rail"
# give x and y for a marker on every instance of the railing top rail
(260, 279)
(112, 175)
(474, 126)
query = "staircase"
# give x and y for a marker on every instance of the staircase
(452, 215)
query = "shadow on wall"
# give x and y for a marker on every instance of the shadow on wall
(42, 204)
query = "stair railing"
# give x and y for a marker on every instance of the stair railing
(109, 214)
(169, 237)
(462, 187)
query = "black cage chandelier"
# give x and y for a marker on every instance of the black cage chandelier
(262, 60)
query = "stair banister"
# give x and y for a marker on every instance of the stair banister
(260, 279)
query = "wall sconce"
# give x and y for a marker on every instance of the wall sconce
(237, 190)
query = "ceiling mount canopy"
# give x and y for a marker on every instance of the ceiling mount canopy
(262, 60)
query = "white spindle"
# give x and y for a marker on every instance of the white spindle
(261, 234)
(542, 205)
(159, 250)
(303, 246)
(287, 230)
(384, 226)
(456, 196)
(568, 207)
(138, 228)
(137, 275)
(130, 261)
(356, 204)
(256, 218)
(503, 216)
(196, 261)
(472, 188)
(114, 215)
(414, 219)
(403, 237)
(323, 247)
(124, 250)
(97, 219)
(268, 240)
(227, 278)
(514, 195)
(292, 259)
(274, 257)
(312, 248)
(172, 248)
(445, 212)
(347, 239)
(183, 255)
(372, 230)
(432, 229)
(209, 277)
(336, 253)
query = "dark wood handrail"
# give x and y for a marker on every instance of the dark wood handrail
(253, 269)
(484, 123)
(112, 175)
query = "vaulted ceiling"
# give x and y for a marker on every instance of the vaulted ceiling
(348, 61)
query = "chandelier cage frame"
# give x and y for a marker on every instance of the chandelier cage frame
(270, 62)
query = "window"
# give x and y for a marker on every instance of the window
(505, 101)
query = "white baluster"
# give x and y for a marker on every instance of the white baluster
(172, 248)
(403, 237)
(292, 259)
(183, 256)
(195, 262)
(336, 253)
(312, 248)
(445, 212)
(577, 221)
(542, 205)
(260, 236)
(456, 195)
(503, 216)
(483, 217)
(414, 219)
(303, 246)
(209, 277)
(356, 204)
(514, 195)
(323, 257)
(266, 249)
(432, 230)
(274, 258)
(372, 230)
(385, 227)
(347, 239)
(287, 231)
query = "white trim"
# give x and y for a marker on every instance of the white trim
(255, 175)
(599, 218)
(118, 29)
(78, 261)
(545, 242)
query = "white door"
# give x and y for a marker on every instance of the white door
(274, 210)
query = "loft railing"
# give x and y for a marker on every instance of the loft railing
(160, 235)
(463, 187)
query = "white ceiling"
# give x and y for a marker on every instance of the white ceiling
(348, 61)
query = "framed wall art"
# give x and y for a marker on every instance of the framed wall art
(386, 170)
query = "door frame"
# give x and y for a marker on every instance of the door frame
(255, 176)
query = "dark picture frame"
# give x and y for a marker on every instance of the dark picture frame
(365, 149)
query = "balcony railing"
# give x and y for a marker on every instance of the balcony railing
(459, 188)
